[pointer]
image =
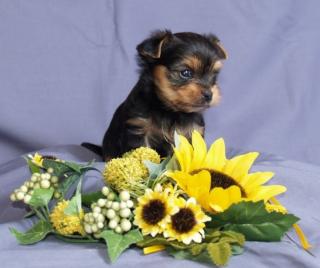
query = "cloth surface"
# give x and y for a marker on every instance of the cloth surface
(302, 199)
(66, 65)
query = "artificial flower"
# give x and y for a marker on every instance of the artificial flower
(215, 181)
(66, 224)
(144, 153)
(153, 211)
(188, 223)
(36, 159)
(126, 174)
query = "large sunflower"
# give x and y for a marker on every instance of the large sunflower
(215, 181)
(188, 223)
(154, 211)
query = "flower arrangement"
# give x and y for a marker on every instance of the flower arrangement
(195, 204)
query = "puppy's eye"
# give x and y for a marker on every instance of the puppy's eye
(186, 74)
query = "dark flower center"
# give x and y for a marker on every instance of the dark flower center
(218, 179)
(153, 212)
(183, 221)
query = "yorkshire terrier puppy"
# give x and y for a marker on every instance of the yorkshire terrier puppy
(178, 81)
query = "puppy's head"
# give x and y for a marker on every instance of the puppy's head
(184, 68)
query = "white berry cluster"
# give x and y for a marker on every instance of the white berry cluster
(44, 181)
(108, 213)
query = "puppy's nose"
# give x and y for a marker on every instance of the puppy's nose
(207, 95)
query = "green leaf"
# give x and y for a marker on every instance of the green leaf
(38, 232)
(236, 250)
(185, 254)
(65, 185)
(155, 170)
(59, 168)
(88, 199)
(254, 221)
(117, 243)
(73, 166)
(160, 240)
(29, 214)
(198, 248)
(74, 206)
(219, 253)
(33, 167)
(41, 197)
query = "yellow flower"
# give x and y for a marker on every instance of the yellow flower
(126, 174)
(144, 153)
(276, 208)
(153, 211)
(37, 159)
(66, 224)
(188, 223)
(215, 181)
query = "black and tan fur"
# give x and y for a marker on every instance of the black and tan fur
(164, 100)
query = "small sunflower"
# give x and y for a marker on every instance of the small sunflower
(188, 223)
(126, 174)
(153, 211)
(144, 153)
(66, 224)
(215, 181)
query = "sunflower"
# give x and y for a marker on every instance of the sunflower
(154, 211)
(215, 181)
(188, 223)
(66, 224)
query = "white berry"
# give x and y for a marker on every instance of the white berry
(118, 230)
(101, 202)
(50, 170)
(54, 179)
(124, 195)
(115, 206)
(111, 196)
(27, 198)
(111, 214)
(45, 184)
(13, 197)
(105, 190)
(20, 195)
(112, 224)
(125, 225)
(87, 229)
(125, 213)
(100, 225)
(97, 209)
(130, 204)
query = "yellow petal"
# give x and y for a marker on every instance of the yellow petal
(254, 180)
(199, 184)
(266, 192)
(186, 152)
(199, 150)
(216, 157)
(180, 177)
(223, 198)
(240, 165)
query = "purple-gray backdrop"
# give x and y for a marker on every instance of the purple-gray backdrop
(66, 65)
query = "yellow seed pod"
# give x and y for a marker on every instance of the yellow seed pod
(144, 153)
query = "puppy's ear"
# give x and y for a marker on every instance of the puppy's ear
(151, 47)
(222, 53)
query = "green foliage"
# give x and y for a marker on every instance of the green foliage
(88, 199)
(254, 221)
(41, 197)
(117, 243)
(74, 206)
(38, 232)
(59, 168)
(33, 167)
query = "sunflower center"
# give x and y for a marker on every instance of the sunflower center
(219, 179)
(183, 221)
(153, 212)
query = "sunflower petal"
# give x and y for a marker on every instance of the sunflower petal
(216, 157)
(186, 152)
(199, 150)
(266, 192)
(224, 198)
(240, 165)
(254, 180)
